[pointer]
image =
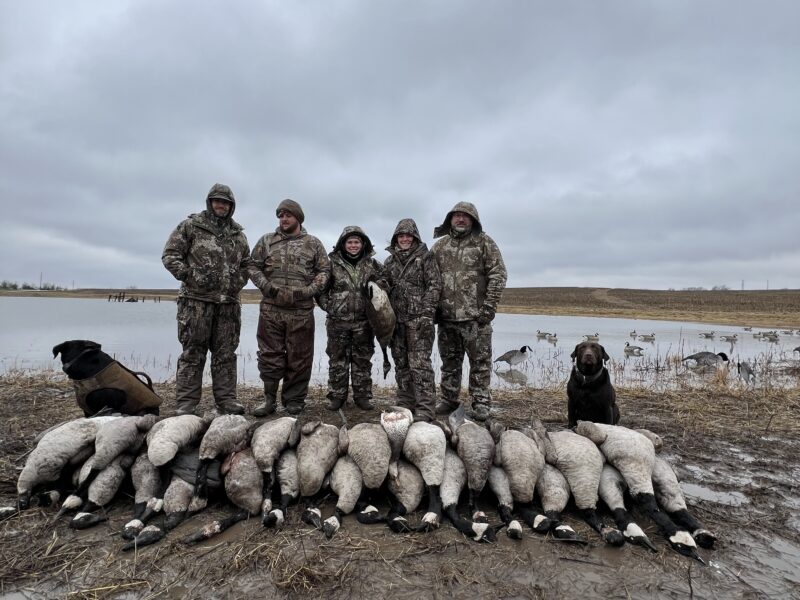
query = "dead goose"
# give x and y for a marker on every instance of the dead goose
(424, 447)
(581, 463)
(148, 495)
(346, 483)
(395, 423)
(102, 491)
(554, 493)
(382, 319)
(169, 436)
(268, 442)
(514, 357)
(670, 497)
(501, 487)
(225, 435)
(288, 485)
(406, 488)
(455, 476)
(633, 455)
(475, 446)
(612, 491)
(317, 452)
(368, 445)
(243, 486)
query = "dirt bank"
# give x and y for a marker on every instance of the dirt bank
(736, 450)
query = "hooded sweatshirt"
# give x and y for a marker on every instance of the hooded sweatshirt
(209, 255)
(473, 272)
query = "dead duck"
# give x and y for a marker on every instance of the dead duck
(633, 455)
(475, 446)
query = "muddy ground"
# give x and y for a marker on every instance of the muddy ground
(736, 452)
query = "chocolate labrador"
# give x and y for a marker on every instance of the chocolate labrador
(591, 396)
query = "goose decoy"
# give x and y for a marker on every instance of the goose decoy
(707, 359)
(707, 334)
(748, 328)
(514, 357)
(592, 337)
(552, 338)
(628, 349)
(729, 338)
(746, 372)
(796, 349)
(648, 337)
(540, 335)
(633, 334)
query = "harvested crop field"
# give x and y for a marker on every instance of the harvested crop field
(736, 451)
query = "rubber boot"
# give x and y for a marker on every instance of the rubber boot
(270, 398)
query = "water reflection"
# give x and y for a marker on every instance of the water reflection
(143, 336)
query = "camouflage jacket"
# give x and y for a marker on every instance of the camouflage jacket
(289, 269)
(209, 256)
(345, 298)
(415, 282)
(473, 272)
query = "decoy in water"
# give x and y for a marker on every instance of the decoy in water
(514, 357)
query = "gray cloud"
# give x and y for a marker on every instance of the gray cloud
(609, 144)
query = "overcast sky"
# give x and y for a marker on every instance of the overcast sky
(619, 144)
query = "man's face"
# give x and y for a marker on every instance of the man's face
(353, 245)
(404, 241)
(287, 222)
(221, 208)
(460, 221)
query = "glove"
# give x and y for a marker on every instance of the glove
(269, 290)
(486, 315)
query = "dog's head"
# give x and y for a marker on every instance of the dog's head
(72, 348)
(589, 357)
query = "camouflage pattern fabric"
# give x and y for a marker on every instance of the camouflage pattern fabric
(204, 327)
(285, 351)
(473, 272)
(411, 349)
(474, 340)
(350, 348)
(209, 255)
(344, 298)
(289, 269)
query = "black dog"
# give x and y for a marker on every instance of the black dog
(101, 382)
(591, 396)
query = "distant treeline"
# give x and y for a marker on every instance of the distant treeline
(13, 285)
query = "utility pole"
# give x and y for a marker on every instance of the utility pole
(742, 284)
(40, 280)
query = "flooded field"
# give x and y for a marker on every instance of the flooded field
(735, 451)
(143, 336)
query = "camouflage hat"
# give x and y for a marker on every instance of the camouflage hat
(220, 191)
(465, 207)
(293, 207)
(408, 226)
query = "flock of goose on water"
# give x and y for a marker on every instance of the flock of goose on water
(264, 467)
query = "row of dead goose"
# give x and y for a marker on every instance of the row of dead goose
(265, 467)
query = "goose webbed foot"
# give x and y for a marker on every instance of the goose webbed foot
(274, 518)
(313, 517)
(430, 522)
(369, 516)
(331, 526)
(704, 538)
(149, 535)
(85, 520)
(565, 533)
(399, 524)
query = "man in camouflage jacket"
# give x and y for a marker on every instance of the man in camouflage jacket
(473, 279)
(290, 267)
(208, 254)
(415, 285)
(351, 342)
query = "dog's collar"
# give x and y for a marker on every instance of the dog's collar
(66, 366)
(583, 379)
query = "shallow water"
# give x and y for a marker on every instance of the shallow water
(144, 337)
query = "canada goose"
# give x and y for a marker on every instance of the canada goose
(522, 460)
(748, 328)
(612, 490)
(788, 332)
(243, 486)
(592, 338)
(346, 483)
(553, 338)
(746, 372)
(796, 349)
(670, 497)
(707, 334)
(648, 337)
(395, 422)
(636, 350)
(633, 455)
(424, 447)
(729, 338)
(368, 445)
(101, 492)
(455, 475)
(317, 453)
(69, 443)
(706, 359)
(225, 434)
(475, 447)
(268, 441)
(167, 437)
(500, 485)
(148, 492)
(540, 335)
(581, 463)
(289, 486)
(514, 357)
(633, 334)
(770, 336)
(406, 488)
(554, 494)
(382, 319)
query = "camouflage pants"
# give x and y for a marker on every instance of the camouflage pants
(412, 344)
(204, 327)
(350, 349)
(457, 338)
(285, 351)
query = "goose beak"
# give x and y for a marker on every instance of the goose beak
(313, 517)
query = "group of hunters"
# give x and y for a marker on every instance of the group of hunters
(456, 285)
